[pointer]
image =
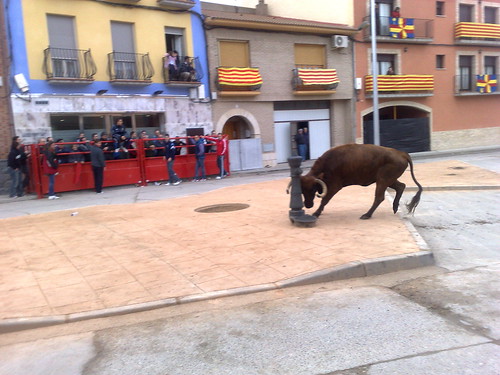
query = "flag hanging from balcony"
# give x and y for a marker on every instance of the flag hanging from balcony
(402, 28)
(486, 83)
(477, 30)
(239, 76)
(318, 76)
(407, 82)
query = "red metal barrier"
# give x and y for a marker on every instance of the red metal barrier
(137, 170)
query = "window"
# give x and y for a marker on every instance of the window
(385, 62)
(234, 54)
(439, 61)
(174, 40)
(490, 15)
(465, 73)
(466, 13)
(310, 56)
(439, 8)
(63, 53)
(122, 35)
(490, 65)
(383, 16)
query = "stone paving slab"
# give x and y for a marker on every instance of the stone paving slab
(114, 256)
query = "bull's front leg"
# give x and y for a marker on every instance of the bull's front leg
(324, 201)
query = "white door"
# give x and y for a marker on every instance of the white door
(319, 138)
(283, 139)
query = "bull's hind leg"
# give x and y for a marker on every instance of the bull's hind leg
(399, 187)
(379, 198)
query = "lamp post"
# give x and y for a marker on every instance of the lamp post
(376, 120)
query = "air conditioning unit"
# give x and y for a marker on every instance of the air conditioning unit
(340, 41)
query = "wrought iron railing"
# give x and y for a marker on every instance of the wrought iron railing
(422, 28)
(68, 64)
(126, 66)
(186, 69)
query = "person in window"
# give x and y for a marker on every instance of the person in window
(390, 71)
(396, 13)
(186, 70)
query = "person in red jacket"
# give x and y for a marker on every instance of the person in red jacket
(221, 143)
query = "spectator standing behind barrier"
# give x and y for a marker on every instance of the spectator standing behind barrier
(76, 155)
(106, 146)
(221, 149)
(170, 153)
(14, 168)
(50, 165)
(98, 163)
(118, 130)
(199, 150)
(301, 143)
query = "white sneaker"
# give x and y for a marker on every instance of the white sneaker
(176, 183)
(53, 197)
(168, 184)
(218, 177)
(157, 183)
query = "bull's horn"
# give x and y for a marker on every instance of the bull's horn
(323, 186)
(288, 187)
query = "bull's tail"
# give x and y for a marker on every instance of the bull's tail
(416, 199)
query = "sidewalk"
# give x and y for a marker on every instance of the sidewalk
(106, 259)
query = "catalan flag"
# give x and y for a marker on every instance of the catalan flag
(238, 77)
(402, 28)
(477, 30)
(486, 83)
(318, 76)
(407, 82)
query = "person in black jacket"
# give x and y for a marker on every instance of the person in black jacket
(50, 164)
(14, 168)
(170, 153)
(98, 162)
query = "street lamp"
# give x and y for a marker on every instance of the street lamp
(376, 120)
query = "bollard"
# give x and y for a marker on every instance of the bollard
(297, 215)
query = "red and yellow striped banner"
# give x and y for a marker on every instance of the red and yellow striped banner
(477, 30)
(408, 82)
(318, 76)
(239, 76)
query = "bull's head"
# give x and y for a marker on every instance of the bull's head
(310, 187)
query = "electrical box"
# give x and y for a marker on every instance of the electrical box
(359, 83)
(21, 82)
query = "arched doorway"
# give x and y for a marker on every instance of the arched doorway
(245, 151)
(403, 127)
(237, 127)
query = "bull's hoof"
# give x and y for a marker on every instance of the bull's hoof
(365, 217)
(316, 214)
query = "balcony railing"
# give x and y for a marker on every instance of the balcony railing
(314, 79)
(470, 84)
(472, 32)
(401, 30)
(177, 4)
(72, 65)
(401, 85)
(126, 67)
(186, 72)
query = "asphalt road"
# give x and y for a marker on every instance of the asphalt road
(436, 321)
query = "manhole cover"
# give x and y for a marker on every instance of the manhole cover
(225, 207)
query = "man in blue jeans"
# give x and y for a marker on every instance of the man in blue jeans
(199, 150)
(300, 140)
(173, 179)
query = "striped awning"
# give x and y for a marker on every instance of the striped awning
(477, 30)
(239, 77)
(408, 82)
(318, 76)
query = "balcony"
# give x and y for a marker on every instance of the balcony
(66, 65)
(472, 33)
(474, 85)
(401, 30)
(177, 4)
(236, 81)
(401, 86)
(186, 74)
(314, 81)
(129, 68)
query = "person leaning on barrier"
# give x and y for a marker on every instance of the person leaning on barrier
(98, 163)
(107, 146)
(50, 164)
(199, 150)
(221, 149)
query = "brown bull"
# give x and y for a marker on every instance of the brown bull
(363, 165)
